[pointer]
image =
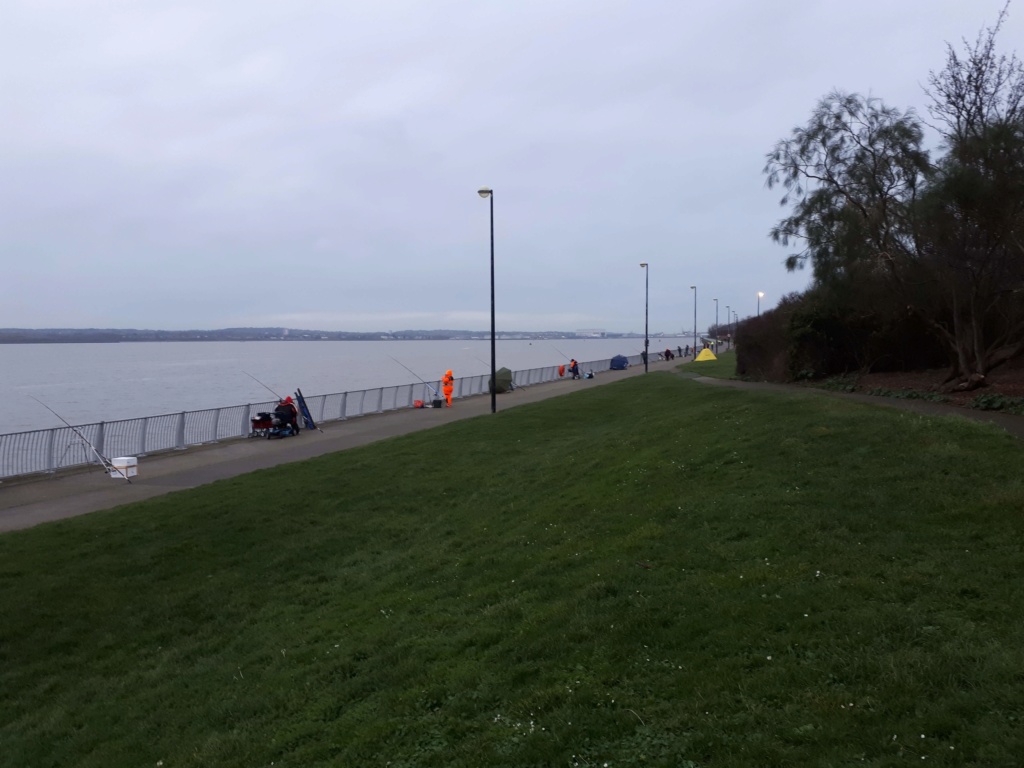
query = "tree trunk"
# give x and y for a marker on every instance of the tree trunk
(970, 369)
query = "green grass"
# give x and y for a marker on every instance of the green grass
(648, 573)
(724, 367)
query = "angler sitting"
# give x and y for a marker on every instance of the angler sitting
(287, 413)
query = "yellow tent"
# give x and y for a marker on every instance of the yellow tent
(705, 354)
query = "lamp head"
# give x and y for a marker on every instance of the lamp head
(643, 264)
(484, 192)
(694, 287)
(760, 294)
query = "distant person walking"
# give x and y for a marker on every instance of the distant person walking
(448, 386)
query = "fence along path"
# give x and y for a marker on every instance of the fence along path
(49, 450)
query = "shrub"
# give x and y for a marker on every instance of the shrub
(907, 394)
(996, 402)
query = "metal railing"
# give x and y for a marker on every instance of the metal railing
(49, 450)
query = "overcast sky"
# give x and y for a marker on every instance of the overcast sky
(315, 164)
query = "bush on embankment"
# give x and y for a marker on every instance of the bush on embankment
(833, 330)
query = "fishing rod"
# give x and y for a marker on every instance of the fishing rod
(304, 410)
(410, 370)
(279, 398)
(517, 386)
(567, 357)
(107, 463)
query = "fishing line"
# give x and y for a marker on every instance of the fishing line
(410, 370)
(567, 357)
(279, 398)
(107, 464)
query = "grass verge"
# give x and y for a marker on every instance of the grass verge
(724, 367)
(652, 572)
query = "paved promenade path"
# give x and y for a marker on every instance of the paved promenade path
(35, 499)
(29, 501)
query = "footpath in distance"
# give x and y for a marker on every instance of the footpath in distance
(25, 502)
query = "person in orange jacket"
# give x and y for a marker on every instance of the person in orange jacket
(448, 386)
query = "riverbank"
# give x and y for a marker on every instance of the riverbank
(31, 500)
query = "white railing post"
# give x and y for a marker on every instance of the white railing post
(99, 439)
(50, 463)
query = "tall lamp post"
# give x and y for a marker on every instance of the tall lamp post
(716, 325)
(760, 295)
(647, 295)
(694, 289)
(487, 192)
(728, 319)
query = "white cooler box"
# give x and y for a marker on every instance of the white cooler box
(124, 467)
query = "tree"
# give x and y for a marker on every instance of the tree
(947, 238)
(973, 215)
(852, 175)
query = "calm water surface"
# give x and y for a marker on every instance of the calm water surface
(86, 383)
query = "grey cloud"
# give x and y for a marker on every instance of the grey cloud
(162, 164)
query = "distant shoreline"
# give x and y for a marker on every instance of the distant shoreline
(118, 336)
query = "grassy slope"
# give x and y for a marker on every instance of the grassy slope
(653, 572)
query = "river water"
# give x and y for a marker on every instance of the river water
(87, 383)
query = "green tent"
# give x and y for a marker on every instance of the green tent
(503, 376)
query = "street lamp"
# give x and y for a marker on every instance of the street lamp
(716, 325)
(647, 295)
(486, 192)
(760, 295)
(728, 320)
(694, 289)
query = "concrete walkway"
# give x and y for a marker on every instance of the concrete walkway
(29, 501)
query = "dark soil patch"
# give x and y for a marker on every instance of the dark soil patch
(1006, 380)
